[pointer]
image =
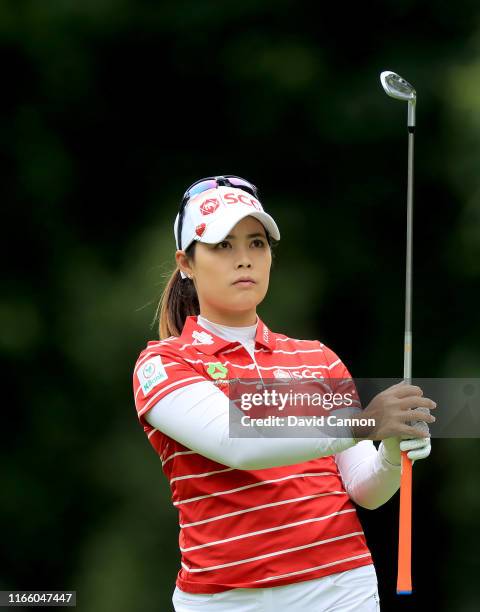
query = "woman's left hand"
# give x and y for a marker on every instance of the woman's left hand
(416, 448)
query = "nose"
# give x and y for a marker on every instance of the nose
(244, 264)
(244, 259)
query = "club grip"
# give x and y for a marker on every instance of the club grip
(404, 576)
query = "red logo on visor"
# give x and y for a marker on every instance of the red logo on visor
(207, 207)
(200, 229)
(244, 198)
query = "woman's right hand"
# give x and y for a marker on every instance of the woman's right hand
(392, 410)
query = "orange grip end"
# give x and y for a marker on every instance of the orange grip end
(404, 576)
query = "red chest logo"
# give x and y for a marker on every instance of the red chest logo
(207, 207)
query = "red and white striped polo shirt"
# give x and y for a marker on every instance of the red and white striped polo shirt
(248, 528)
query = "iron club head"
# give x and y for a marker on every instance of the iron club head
(397, 87)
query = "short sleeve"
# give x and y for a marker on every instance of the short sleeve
(156, 374)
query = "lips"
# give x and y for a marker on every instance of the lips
(244, 279)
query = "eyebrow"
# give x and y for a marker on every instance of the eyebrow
(248, 236)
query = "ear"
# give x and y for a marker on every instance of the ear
(183, 263)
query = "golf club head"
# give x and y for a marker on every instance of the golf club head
(397, 87)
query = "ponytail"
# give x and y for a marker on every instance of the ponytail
(178, 301)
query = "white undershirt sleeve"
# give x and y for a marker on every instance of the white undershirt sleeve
(369, 478)
(197, 416)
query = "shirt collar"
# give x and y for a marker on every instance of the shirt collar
(209, 343)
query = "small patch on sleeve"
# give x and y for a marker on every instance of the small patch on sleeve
(151, 373)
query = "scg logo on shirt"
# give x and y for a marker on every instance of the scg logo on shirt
(297, 374)
(151, 374)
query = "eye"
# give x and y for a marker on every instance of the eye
(257, 241)
(220, 243)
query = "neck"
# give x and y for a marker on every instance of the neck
(240, 319)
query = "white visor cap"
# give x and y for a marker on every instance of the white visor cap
(210, 215)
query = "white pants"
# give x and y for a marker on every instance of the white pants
(354, 590)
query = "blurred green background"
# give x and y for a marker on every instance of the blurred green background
(109, 110)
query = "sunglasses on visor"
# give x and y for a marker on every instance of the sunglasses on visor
(211, 182)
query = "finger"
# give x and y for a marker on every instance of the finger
(407, 431)
(402, 383)
(420, 415)
(422, 408)
(420, 425)
(410, 402)
(405, 389)
(421, 453)
(414, 444)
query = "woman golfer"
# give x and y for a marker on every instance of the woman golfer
(266, 523)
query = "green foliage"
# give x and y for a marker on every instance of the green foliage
(109, 110)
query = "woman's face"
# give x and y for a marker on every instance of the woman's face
(244, 252)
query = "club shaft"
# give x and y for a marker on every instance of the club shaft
(407, 359)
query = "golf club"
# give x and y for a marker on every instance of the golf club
(400, 89)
